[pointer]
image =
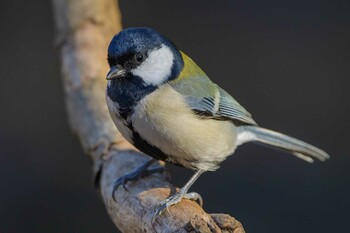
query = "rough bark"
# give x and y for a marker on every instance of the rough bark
(84, 29)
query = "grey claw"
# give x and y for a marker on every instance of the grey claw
(160, 209)
(176, 198)
(194, 197)
(137, 174)
(121, 181)
(164, 205)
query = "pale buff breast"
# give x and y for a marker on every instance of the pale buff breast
(163, 119)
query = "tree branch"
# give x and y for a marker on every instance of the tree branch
(84, 29)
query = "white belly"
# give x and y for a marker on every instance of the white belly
(163, 120)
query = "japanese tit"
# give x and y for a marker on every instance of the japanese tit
(168, 108)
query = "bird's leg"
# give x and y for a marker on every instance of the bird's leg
(140, 172)
(176, 198)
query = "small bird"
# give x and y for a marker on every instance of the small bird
(164, 104)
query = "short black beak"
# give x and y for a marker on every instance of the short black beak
(115, 72)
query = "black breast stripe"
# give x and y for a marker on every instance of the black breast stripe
(147, 148)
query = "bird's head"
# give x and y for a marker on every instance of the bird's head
(144, 54)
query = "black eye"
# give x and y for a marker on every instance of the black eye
(139, 57)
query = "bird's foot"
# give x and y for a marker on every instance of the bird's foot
(176, 198)
(139, 173)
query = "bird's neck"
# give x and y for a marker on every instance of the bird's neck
(191, 69)
(127, 92)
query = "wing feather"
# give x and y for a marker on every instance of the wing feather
(206, 98)
(230, 108)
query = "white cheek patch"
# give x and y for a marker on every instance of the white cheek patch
(157, 67)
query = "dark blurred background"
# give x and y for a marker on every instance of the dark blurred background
(287, 62)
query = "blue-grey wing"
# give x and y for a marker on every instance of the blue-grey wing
(207, 99)
(231, 109)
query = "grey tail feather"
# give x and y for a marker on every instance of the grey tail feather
(296, 147)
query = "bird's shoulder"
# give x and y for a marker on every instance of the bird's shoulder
(206, 98)
(193, 81)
